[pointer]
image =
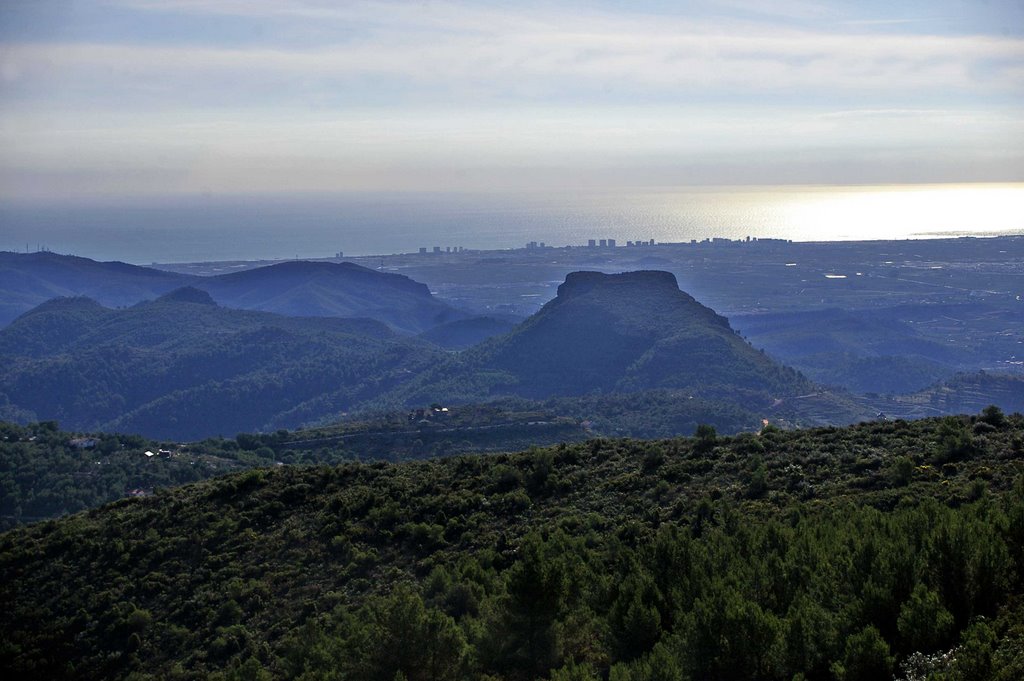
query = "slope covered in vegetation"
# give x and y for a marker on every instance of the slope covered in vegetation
(46, 472)
(833, 552)
(183, 367)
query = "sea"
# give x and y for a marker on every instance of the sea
(268, 227)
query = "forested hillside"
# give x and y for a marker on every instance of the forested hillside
(182, 367)
(46, 472)
(849, 553)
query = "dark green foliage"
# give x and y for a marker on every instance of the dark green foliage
(866, 658)
(45, 472)
(757, 486)
(575, 562)
(993, 416)
(902, 471)
(390, 637)
(924, 624)
(537, 587)
(973, 661)
(706, 437)
(955, 440)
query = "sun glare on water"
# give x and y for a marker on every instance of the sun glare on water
(888, 212)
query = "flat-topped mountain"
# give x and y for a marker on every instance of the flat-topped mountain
(618, 333)
(299, 288)
(183, 367)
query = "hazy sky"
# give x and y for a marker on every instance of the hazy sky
(139, 97)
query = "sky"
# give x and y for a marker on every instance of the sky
(135, 98)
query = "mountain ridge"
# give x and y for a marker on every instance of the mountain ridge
(143, 368)
(294, 288)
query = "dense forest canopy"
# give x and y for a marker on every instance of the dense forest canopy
(850, 553)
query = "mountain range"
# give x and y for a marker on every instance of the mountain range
(893, 548)
(300, 288)
(184, 367)
(184, 364)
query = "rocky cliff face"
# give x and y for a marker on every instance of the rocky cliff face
(651, 281)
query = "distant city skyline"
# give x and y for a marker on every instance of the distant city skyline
(125, 98)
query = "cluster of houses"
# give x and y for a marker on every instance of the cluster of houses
(91, 442)
(425, 416)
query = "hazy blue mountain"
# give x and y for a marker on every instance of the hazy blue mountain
(28, 279)
(615, 333)
(322, 289)
(299, 288)
(51, 327)
(183, 367)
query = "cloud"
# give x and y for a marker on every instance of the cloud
(431, 94)
(456, 52)
(540, 66)
(180, 151)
